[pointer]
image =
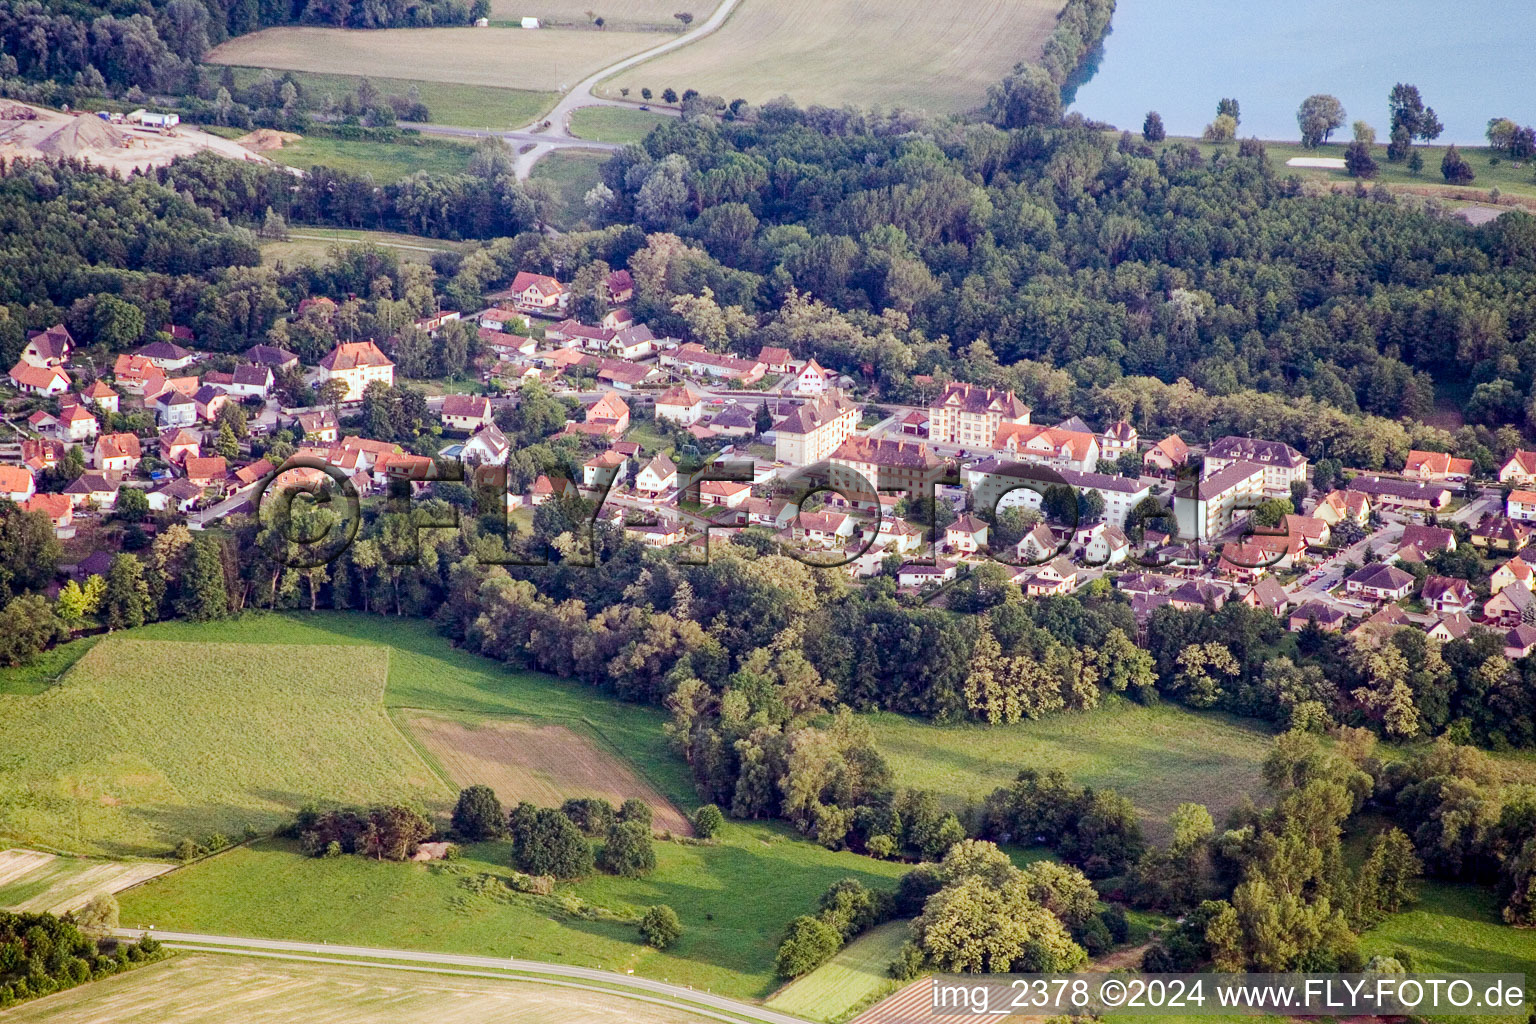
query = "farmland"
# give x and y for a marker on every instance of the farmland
(33, 881)
(1157, 756)
(855, 977)
(542, 763)
(621, 14)
(820, 51)
(506, 58)
(734, 898)
(216, 989)
(384, 162)
(614, 124)
(471, 106)
(110, 763)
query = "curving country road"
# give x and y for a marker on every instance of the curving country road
(645, 989)
(558, 134)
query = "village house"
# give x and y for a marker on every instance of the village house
(663, 534)
(1383, 623)
(1448, 595)
(1418, 543)
(76, 422)
(1379, 582)
(1208, 507)
(887, 464)
(250, 381)
(1436, 466)
(252, 473)
(898, 536)
(680, 405)
(138, 376)
(971, 415)
(465, 412)
(206, 472)
(1267, 595)
(1050, 446)
(1516, 570)
(594, 472)
(39, 380)
(57, 507)
(776, 359)
(209, 401)
(1038, 545)
(913, 576)
(95, 489)
(623, 376)
(1119, 438)
(575, 334)
(1521, 505)
(272, 357)
(432, 324)
(1337, 507)
(1325, 616)
(656, 478)
(498, 318)
(176, 445)
(606, 417)
(167, 355)
(1511, 606)
(1313, 532)
(52, 347)
(618, 319)
(621, 287)
(634, 341)
(822, 529)
(1103, 544)
(1499, 533)
(16, 483)
(723, 493)
(357, 364)
(1519, 641)
(696, 359)
(1166, 457)
(999, 484)
(101, 396)
(966, 535)
(487, 446)
(1055, 577)
(810, 379)
(1392, 493)
(814, 430)
(537, 293)
(317, 425)
(1519, 469)
(1283, 465)
(1449, 627)
(179, 495)
(506, 347)
(175, 408)
(735, 420)
(117, 453)
(39, 454)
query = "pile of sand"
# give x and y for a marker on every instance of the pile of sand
(83, 135)
(16, 112)
(263, 139)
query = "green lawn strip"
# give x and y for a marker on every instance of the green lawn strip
(572, 172)
(46, 669)
(852, 979)
(467, 106)
(385, 162)
(614, 124)
(735, 899)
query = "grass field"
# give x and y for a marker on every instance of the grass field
(734, 898)
(145, 743)
(1158, 756)
(618, 14)
(313, 244)
(1511, 179)
(216, 989)
(614, 124)
(541, 762)
(854, 978)
(507, 58)
(572, 173)
(471, 106)
(46, 669)
(33, 881)
(384, 162)
(867, 52)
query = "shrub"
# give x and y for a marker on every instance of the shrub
(660, 927)
(636, 810)
(808, 943)
(478, 815)
(593, 815)
(627, 850)
(908, 963)
(707, 821)
(187, 850)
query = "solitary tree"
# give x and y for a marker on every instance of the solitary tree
(1319, 116)
(1223, 129)
(669, 95)
(1357, 160)
(1152, 128)
(1455, 168)
(660, 926)
(707, 821)
(645, 92)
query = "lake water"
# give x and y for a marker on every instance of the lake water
(1471, 59)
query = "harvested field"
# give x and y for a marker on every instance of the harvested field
(617, 14)
(211, 989)
(33, 881)
(509, 58)
(542, 763)
(830, 52)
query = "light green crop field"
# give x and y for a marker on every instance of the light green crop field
(854, 978)
(734, 899)
(384, 162)
(145, 743)
(614, 124)
(887, 53)
(469, 106)
(314, 244)
(1159, 756)
(572, 173)
(218, 989)
(508, 58)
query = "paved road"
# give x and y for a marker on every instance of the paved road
(679, 996)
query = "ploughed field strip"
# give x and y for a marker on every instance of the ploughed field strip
(42, 883)
(542, 763)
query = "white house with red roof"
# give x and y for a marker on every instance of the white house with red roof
(39, 380)
(538, 293)
(811, 379)
(357, 364)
